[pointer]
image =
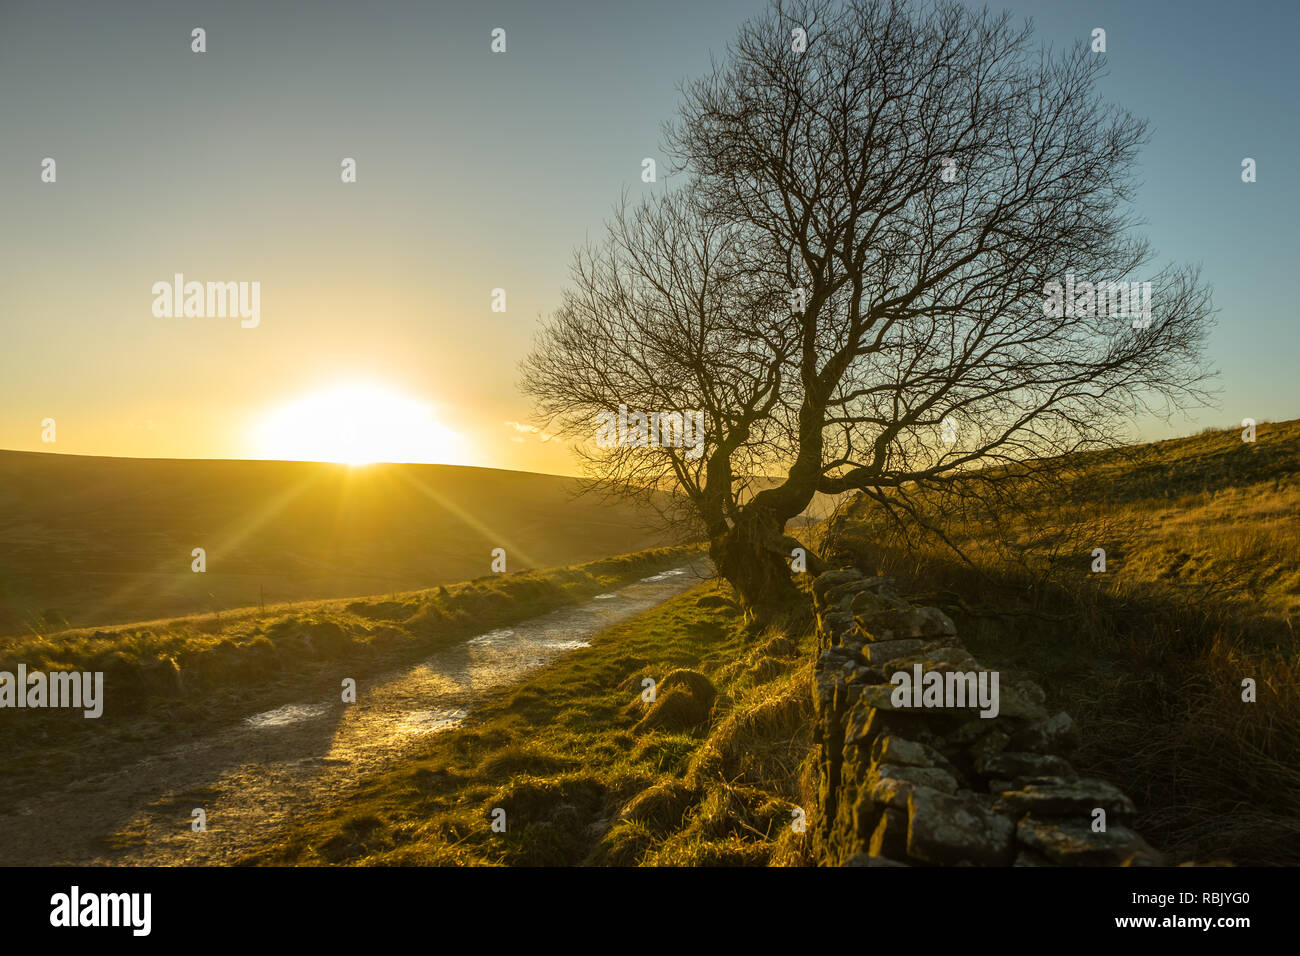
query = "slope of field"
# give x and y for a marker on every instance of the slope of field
(92, 541)
(1199, 593)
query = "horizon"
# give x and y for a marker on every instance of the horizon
(361, 466)
(474, 173)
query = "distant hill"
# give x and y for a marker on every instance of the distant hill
(1208, 511)
(95, 541)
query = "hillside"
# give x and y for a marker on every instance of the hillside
(1200, 591)
(93, 541)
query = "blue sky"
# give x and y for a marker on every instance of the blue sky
(478, 171)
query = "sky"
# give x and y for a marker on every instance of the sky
(478, 171)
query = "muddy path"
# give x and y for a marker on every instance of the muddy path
(253, 777)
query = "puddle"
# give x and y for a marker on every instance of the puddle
(428, 721)
(664, 576)
(286, 715)
(491, 637)
(565, 645)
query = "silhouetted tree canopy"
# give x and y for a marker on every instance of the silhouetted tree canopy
(847, 276)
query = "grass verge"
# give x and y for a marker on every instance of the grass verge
(587, 773)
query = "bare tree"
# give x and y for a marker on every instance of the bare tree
(852, 281)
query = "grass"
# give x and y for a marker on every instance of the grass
(562, 755)
(170, 678)
(1201, 590)
(88, 541)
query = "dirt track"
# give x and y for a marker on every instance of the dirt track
(253, 777)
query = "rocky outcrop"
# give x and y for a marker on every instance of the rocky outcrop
(925, 758)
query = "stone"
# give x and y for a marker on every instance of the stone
(1074, 798)
(862, 675)
(891, 619)
(1056, 734)
(1016, 701)
(882, 696)
(910, 780)
(943, 659)
(895, 750)
(1014, 765)
(890, 786)
(882, 585)
(834, 596)
(984, 742)
(829, 579)
(834, 626)
(1032, 691)
(881, 653)
(863, 723)
(1031, 858)
(899, 751)
(890, 792)
(862, 859)
(853, 643)
(952, 830)
(825, 683)
(877, 696)
(890, 836)
(928, 622)
(868, 604)
(841, 595)
(1072, 843)
(833, 657)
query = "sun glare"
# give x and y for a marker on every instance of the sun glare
(357, 425)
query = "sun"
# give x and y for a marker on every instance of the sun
(356, 424)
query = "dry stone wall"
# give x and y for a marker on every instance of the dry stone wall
(938, 784)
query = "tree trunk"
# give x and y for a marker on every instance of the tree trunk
(752, 555)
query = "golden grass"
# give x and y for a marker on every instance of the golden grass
(559, 755)
(1201, 589)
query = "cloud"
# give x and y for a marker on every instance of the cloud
(528, 430)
